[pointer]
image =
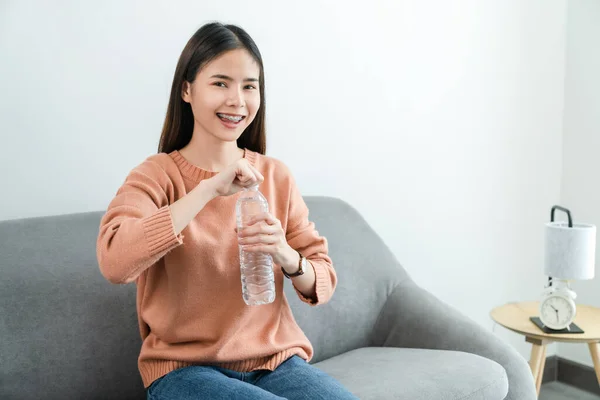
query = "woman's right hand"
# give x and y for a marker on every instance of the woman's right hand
(234, 178)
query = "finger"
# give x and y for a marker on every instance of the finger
(257, 174)
(258, 239)
(268, 249)
(258, 229)
(249, 169)
(257, 179)
(265, 216)
(246, 177)
(249, 182)
(244, 173)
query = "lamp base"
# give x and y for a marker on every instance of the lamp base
(573, 328)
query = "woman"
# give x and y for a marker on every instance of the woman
(171, 230)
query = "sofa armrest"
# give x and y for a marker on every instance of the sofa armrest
(412, 317)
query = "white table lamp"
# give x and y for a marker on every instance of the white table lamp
(570, 254)
(570, 249)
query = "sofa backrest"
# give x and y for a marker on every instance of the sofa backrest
(66, 332)
(367, 271)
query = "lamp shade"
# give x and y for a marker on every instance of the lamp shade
(570, 252)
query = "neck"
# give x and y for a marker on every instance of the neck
(210, 153)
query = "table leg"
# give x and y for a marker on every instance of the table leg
(537, 362)
(595, 351)
(540, 376)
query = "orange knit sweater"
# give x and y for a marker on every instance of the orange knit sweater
(189, 294)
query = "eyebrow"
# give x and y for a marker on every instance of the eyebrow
(228, 78)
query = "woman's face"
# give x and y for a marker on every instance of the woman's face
(225, 95)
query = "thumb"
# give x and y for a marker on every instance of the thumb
(245, 175)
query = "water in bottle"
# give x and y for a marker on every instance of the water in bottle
(258, 285)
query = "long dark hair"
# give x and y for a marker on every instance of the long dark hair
(209, 42)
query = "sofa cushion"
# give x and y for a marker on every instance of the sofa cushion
(417, 374)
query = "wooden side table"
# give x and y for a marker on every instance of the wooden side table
(515, 316)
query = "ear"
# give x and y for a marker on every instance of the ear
(186, 91)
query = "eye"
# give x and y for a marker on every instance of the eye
(220, 84)
(250, 87)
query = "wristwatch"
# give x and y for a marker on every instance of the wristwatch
(301, 268)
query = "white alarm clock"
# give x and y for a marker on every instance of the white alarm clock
(557, 307)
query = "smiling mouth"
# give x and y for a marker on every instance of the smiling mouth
(231, 117)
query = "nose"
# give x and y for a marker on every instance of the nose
(236, 97)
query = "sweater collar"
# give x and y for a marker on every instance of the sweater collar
(196, 173)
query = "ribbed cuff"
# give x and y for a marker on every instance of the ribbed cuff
(160, 232)
(322, 285)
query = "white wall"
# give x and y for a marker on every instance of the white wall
(440, 121)
(581, 164)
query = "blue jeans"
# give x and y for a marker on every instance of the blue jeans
(293, 379)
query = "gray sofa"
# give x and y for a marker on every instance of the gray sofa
(66, 333)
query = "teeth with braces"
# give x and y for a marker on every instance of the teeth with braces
(232, 119)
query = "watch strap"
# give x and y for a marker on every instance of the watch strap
(300, 271)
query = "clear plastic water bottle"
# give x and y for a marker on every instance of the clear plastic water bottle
(258, 284)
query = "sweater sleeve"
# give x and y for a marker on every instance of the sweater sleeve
(137, 228)
(302, 236)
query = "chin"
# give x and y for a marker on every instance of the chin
(228, 135)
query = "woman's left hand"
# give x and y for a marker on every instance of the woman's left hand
(263, 234)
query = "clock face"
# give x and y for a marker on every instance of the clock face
(556, 312)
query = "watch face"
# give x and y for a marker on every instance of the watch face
(556, 312)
